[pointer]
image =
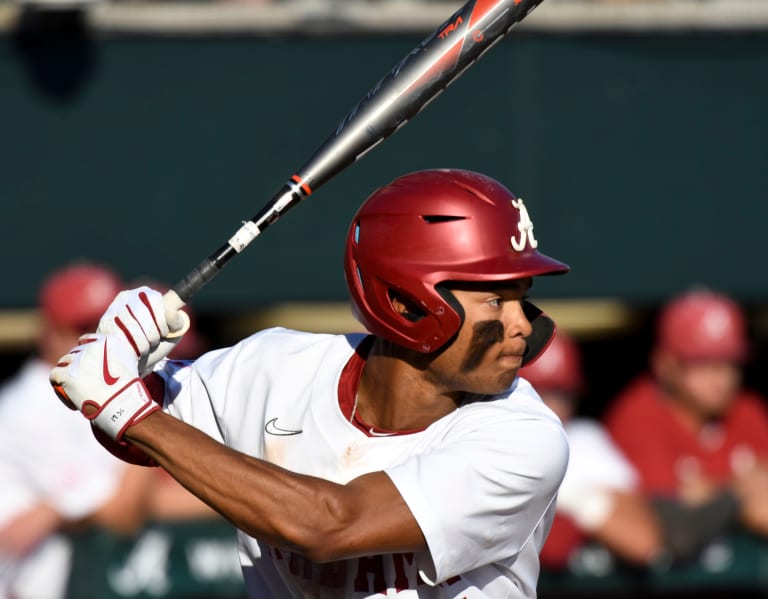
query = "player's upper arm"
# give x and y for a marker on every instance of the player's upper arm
(480, 496)
(369, 516)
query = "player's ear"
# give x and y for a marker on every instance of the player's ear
(405, 307)
(665, 367)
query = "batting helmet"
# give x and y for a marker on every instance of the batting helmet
(558, 368)
(702, 324)
(429, 228)
(78, 295)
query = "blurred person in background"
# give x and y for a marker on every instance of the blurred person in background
(599, 499)
(54, 475)
(603, 499)
(696, 436)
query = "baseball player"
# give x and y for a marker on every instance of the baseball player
(41, 490)
(609, 504)
(710, 431)
(411, 461)
(44, 493)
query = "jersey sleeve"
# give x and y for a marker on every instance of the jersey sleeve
(480, 493)
(226, 392)
(596, 470)
(189, 394)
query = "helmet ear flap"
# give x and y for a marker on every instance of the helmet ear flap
(543, 332)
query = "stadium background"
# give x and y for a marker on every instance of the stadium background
(141, 134)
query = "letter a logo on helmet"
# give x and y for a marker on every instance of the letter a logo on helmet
(525, 226)
(429, 228)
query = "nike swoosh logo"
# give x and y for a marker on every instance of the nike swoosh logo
(108, 378)
(271, 428)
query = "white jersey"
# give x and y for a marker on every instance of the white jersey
(47, 454)
(481, 481)
(586, 492)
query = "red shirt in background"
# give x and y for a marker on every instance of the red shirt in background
(564, 538)
(664, 451)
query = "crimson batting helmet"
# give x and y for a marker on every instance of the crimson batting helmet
(77, 295)
(702, 324)
(431, 227)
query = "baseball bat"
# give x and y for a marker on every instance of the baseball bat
(401, 94)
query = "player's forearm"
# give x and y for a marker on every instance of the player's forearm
(315, 517)
(631, 529)
(257, 497)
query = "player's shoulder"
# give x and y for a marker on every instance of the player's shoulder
(520, 407)
(289, 341)
(522, 400)
(515, 430)
(748, 404)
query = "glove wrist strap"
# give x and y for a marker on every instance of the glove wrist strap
(129, 405)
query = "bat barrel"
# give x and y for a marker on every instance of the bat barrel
(401, 94)
(414, 82)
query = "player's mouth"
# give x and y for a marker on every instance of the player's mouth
(511, 359)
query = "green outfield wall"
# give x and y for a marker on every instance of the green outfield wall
(198, 560)
(642, 157)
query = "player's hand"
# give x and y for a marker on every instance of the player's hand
(696, 489)
(100, 378)
(139, 315)
(750, 483)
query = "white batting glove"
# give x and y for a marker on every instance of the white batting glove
(139, 316)
(100, 378)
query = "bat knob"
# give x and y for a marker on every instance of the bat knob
(178, 320)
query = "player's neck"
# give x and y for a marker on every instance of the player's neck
(692, 419)
(394, 393)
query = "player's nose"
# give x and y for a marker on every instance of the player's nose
(516, 323)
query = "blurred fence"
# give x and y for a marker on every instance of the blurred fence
(199, 560)
(144, 144)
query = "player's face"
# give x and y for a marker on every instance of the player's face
(708, 387)
(488, 349)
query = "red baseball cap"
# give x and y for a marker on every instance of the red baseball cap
(77, 295)
(558, 368)
(703, 325)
